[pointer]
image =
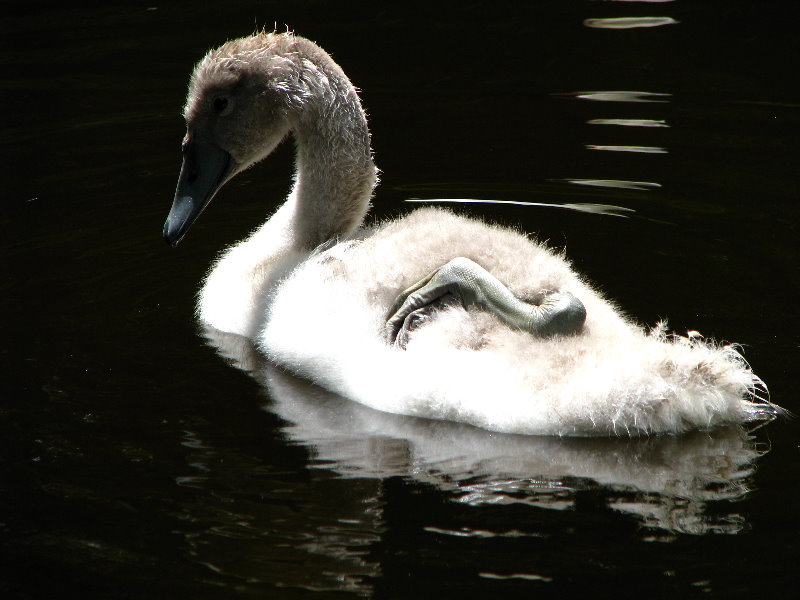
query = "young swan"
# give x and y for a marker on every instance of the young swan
(432, 315)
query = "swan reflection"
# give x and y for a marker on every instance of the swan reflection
(665, 482)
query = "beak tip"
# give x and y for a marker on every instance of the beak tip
(205, 168)
(184, 212)
(172, 235)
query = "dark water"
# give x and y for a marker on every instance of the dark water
(135, 462)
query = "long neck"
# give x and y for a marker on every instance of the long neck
(335, 173)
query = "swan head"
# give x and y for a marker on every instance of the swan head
(243, 99)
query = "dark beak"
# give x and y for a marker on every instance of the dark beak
(206, 167)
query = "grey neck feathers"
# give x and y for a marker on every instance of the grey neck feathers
(335, 173)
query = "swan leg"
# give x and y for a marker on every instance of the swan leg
(473, 286)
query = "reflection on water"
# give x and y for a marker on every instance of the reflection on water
(616, 183)
(630, 122)
(639, 149)
(248, 526)
(617, 96)
(665, 482)
(629, 22)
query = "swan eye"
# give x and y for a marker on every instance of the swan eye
(221, 105)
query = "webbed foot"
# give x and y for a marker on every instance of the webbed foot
(418, 317)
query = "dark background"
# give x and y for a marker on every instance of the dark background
(137, 463)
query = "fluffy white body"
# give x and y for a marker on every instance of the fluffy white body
(312, 288)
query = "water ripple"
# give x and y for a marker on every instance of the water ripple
(630, 122)
(617, 96)
(615, 183)
(482, 533)
(525, 576)
(629, 22)
(639, 149)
